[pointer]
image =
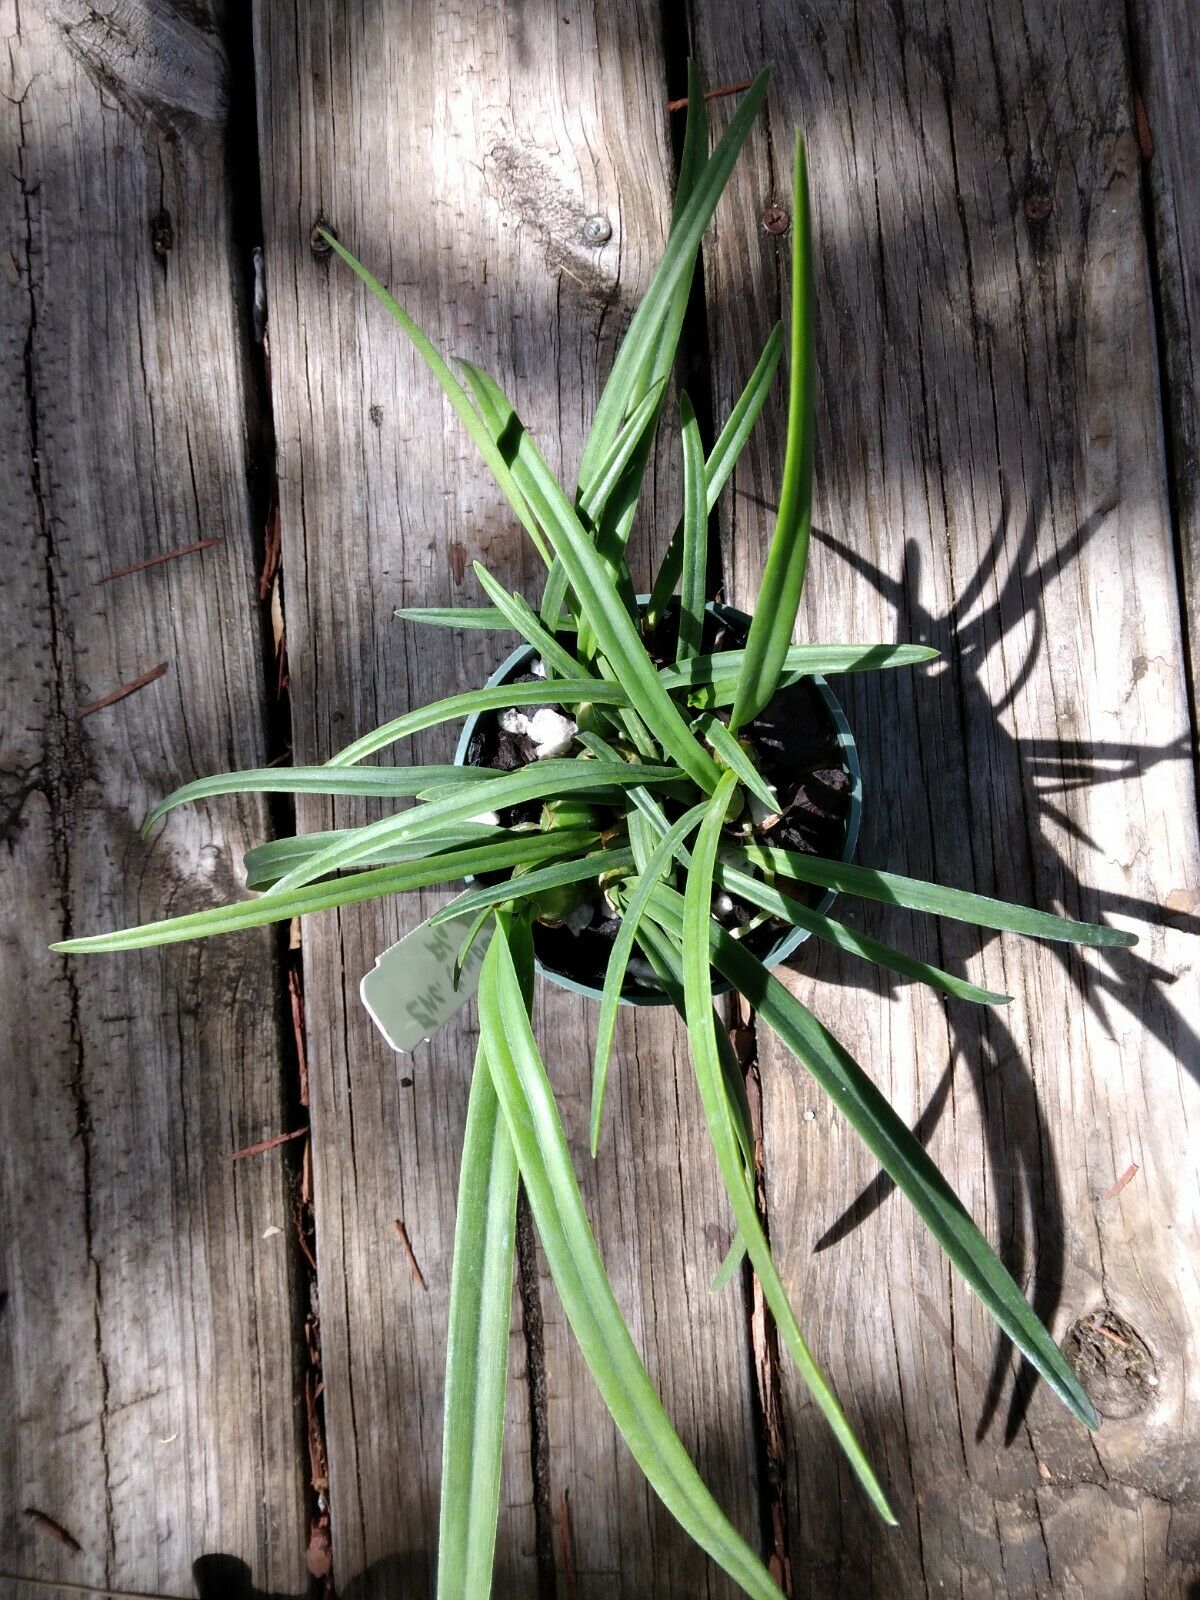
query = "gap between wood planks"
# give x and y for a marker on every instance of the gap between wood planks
(765, 1375)
(293, 1147)
(1172, 431)
(766, 1382)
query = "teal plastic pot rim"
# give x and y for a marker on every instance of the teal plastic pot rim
(520, 660)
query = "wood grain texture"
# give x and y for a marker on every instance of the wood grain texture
(146, 1340)
(991, 480)
(1166, 58)
(458, 152)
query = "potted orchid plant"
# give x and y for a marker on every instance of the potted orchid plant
(655, 798)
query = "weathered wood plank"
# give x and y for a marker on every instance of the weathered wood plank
(146, 1338)
(663, 1225)
(459, 153)
(990, 479)
(1166, 52)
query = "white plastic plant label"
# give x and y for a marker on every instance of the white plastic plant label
(410, 990)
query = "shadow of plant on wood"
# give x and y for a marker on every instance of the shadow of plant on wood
(1018, 1144)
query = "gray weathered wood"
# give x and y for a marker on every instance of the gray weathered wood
(458, 152)
(147, 1372)
(990, 479)
(662, 1222)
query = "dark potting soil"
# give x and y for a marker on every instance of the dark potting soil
(798, 754)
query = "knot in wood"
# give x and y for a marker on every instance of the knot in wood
(1114, 1363)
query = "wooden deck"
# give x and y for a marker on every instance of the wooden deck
(219, 1376)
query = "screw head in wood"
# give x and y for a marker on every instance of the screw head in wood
(162, 233)
(321, 248)
(597, 229)
(776, 220)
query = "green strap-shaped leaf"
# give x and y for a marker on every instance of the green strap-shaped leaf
(658, 357)
(528, 884)
(608, 477)
(634, 362)
(545, 495)
(730, 443)
(468, 940)
(730, 754)
(662, 339)
(695, 536)
(639, 794)
(382, 783)
(265, 864)
(615, 519)
(783, 578)
(734, 1257)
(643, 837)
(282, 906)
(720, 673)
(452, 389)
(573, 689)
(558, 662)
(633, 434)
(898, 1152)
(614, 976)
(534, 782)
(916, 895)
(533, 1122)
(600, 604)
(698, 1000)
(837, 933)
(484, 619)
(667, 961)
(477, 1346)
(649, 807)
(554, 596)
(665, 955)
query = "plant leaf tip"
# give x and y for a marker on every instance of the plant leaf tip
(1078, 1402)
(90, 944)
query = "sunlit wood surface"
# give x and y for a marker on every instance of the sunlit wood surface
(1008, 281)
